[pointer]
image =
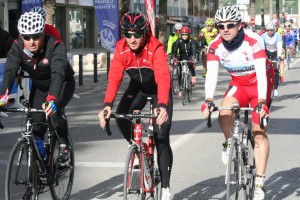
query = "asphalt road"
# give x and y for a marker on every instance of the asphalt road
(198, 172)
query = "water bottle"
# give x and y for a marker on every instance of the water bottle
(41, 147)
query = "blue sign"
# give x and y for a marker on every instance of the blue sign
(107, 13)
(28, 4)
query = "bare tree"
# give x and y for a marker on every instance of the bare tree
(123, 7)
(49, 6)
(162, 28)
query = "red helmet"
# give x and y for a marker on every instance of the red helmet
(185, 29)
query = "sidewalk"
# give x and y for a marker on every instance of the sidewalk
(88, 83)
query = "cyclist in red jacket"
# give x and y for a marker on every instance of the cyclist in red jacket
(143, 57)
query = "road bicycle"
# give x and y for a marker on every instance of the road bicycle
(141, 176)
(31, 174)
(241, 169)
(186, 82)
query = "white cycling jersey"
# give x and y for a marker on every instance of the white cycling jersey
(273, 43)
(246, 64)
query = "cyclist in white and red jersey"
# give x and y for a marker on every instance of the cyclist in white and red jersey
(243, 55)
(144, 59)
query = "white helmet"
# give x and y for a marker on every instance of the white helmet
(228, 13)
(39, 10)
(270, 26)
(31, 23)
(177, 26)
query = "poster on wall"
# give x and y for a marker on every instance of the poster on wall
(107, 14)
(28, 4)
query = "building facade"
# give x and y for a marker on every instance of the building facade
(76, 20)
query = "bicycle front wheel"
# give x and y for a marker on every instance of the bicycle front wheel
(232, 174)
(190, 88)
(133, 176)
(63, 174)
(184, 88)
(249, 166)
(21, 181)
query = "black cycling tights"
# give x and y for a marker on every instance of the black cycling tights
(58, 120)
(136, 100)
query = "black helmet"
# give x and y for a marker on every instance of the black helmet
(134, 21)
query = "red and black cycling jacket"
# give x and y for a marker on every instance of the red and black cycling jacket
(147, 69)
(48, 69)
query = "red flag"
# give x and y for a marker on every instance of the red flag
(150, 8)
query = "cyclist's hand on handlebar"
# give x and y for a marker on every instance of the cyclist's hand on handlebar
(263, 110)
(207, 107)
(102, 118)
(4, 99)
(162, 117)
(50, 108)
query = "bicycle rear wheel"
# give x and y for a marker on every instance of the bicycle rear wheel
(232, 174)
(63, 175)
(133, 180)
(21, 179)
(174, 76)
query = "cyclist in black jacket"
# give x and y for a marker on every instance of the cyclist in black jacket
(44, 58)
(185, 49)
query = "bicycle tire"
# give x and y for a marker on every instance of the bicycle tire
(62, 183)
(251, 168)
(190, 88)
(132, 176)
(19, 175)
(157, 182)
(232, 174)
(174, 76)
(184, 88)
(288, 60)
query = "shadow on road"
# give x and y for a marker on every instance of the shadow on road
(103, 190)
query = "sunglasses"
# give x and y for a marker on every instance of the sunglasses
(136, 34)
(29, 37)
(269, 30)
(228, 26)
(184, 34)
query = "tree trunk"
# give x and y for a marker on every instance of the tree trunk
(271, 10)
(162, 28)
(49, 6)
(252, 9)
(123, 7)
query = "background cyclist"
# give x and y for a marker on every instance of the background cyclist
(243, 55)
(206, 36)
(185, 49)
(143, 57)
(273, 43)
(172, 39)
(289, 40)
